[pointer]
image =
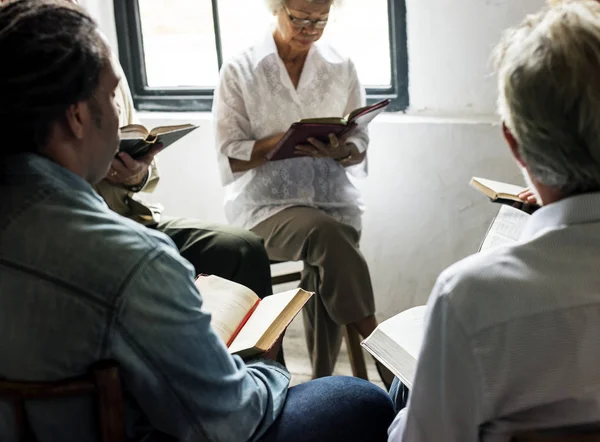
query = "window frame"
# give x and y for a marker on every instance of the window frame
(184, 99)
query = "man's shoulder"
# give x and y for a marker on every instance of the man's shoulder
(496, 287)
(72, 236)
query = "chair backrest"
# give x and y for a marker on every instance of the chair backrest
(102, 382)
(561, 435)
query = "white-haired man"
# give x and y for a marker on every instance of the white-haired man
(512, 335)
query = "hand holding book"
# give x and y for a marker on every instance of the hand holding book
(337, 148)
(528, 196)
(518, 197)
(321, 129)
(129, 172)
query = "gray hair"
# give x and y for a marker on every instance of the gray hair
(275, 5)
(549, 94)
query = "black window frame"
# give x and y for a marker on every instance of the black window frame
(183, 99)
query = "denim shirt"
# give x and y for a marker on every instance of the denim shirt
(79, 284)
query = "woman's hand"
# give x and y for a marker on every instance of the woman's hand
(337, 148)
(127, 172)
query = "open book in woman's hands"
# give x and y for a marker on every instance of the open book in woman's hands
(320, 128)
(247, 324)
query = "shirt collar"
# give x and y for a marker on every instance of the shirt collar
(267, 47)
(580, 209)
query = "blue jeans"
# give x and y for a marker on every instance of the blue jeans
(399, 394)
(335, 408)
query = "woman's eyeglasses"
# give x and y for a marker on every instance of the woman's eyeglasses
(305, 22)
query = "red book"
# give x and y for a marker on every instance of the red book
(320, 128)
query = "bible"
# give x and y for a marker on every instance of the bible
(248, 325)
(137, 141)
(503, 193)
(320, 128)
(505, 228)
(397, 341)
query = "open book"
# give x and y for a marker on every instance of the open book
(248, 325)
(136, 140)
(320, 128)
(506, 228)
(396, 343)
(503, 193)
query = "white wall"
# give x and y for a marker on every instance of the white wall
(421, 215)
(449, 47)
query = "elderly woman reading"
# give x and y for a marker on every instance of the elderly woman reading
(305, 208)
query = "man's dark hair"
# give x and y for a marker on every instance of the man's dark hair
(51, 56)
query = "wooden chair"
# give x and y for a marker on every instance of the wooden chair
(103, 383)
(282, 273)
(560, 435)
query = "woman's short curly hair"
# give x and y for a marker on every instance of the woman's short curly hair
(274, 5)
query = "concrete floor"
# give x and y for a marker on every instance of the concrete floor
(298, 363)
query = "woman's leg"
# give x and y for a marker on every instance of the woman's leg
(332, 409)
(334, 268)
(323, 335)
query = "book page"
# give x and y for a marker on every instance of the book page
(406, 328)
(363, 116)
(506, 228)
(265, 317)
(501, 190)
(168, 129)
(397, 342)
(228, 303)
(133, 132)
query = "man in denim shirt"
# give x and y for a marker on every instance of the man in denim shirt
(80, 284)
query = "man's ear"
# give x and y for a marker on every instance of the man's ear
(76, 116)
(513, 144)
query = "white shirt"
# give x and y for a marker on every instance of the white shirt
(513, 336)
(256, 99)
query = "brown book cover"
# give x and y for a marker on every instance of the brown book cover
(320, 128)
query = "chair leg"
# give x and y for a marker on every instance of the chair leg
(110, 404)
(355, 353)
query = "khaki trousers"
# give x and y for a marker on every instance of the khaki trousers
(334, 268)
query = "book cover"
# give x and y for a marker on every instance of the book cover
(503, 193)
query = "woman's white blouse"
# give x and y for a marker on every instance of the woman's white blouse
(256, 99)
